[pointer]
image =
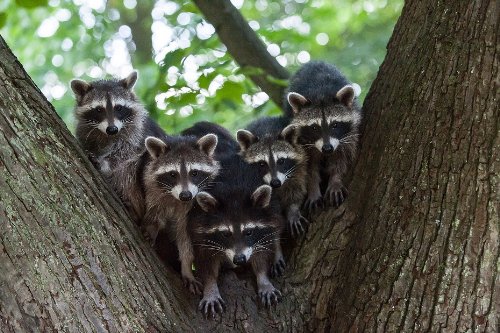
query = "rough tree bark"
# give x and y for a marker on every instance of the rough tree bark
(415, 248)
(418, 248)
(71, 259)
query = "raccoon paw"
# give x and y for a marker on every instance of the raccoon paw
(212, 304)
(194, 286)
(335, 195)
(313, 203)
(269, 295)
(149, 237)
(93, 159)
(278, 267)
(298, 225)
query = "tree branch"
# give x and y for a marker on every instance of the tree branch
(244, 45)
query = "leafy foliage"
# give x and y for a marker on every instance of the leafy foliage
(186, 75)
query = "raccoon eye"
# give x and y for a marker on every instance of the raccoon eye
(172, 174)
(98, 109)
(334, 124)
(262, 164)
(248, 232)
(226, 233)
(194, 173)
(280, 161)
(315, 127)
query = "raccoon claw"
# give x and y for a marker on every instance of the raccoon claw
(211, 305)
(269, 296)
(298, 226)
(93, 159)
(336, 197)
(313, 204)
(150, 232)
(151, 241)
(194, 286)
(278, 268)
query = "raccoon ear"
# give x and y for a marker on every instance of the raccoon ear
(288, 134)
(79, 87)
(206, 201)
(261, 197)
(208, 143)
(155, 146)
(245, 139)
(346, 95)
(129, 81)
(297, 101)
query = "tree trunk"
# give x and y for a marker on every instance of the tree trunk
(70, 256)
(418, 248)
(415, 248)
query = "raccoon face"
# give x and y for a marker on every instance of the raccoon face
(325, 127)
(108, 106)
(325, 136)
(236, 236)
(182, 168)
(276, 159)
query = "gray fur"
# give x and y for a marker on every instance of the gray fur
(164, 208)
(263, 138)
(266, 137)
(115, 156)
(319, 94)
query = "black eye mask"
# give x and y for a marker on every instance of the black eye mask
(168, 179)
(198, 176)
(287, 164)
(96, 114)
(122, 112)
(310, 134)
(258, 236)
(339, 129)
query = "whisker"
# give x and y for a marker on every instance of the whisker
(209, 247)
(88, 134)
(202, 183)
(165, 186)
(268, 242)
(259, 250)
(265, 238)
(215, 243)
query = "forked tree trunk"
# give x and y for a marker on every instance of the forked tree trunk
(414, 249)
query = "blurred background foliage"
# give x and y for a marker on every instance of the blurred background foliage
(186, 75)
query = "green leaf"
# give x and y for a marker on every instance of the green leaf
(230, 91)
(32, 3)
(173, 58)
(187, 98)
(250, 70)
(3, 19)
(280, 82)
(205, 80)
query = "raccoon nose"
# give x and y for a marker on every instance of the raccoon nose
(239, 259)
(275, 183)
(111, 130)
(327, 149)
(185, 196)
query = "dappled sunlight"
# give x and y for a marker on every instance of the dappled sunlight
(186, 74)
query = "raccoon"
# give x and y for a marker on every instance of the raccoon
(226, 144)
(178, 167)
(283, 166)
(226, 148)
(235, 224)
(326, 119)
(111, 127)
